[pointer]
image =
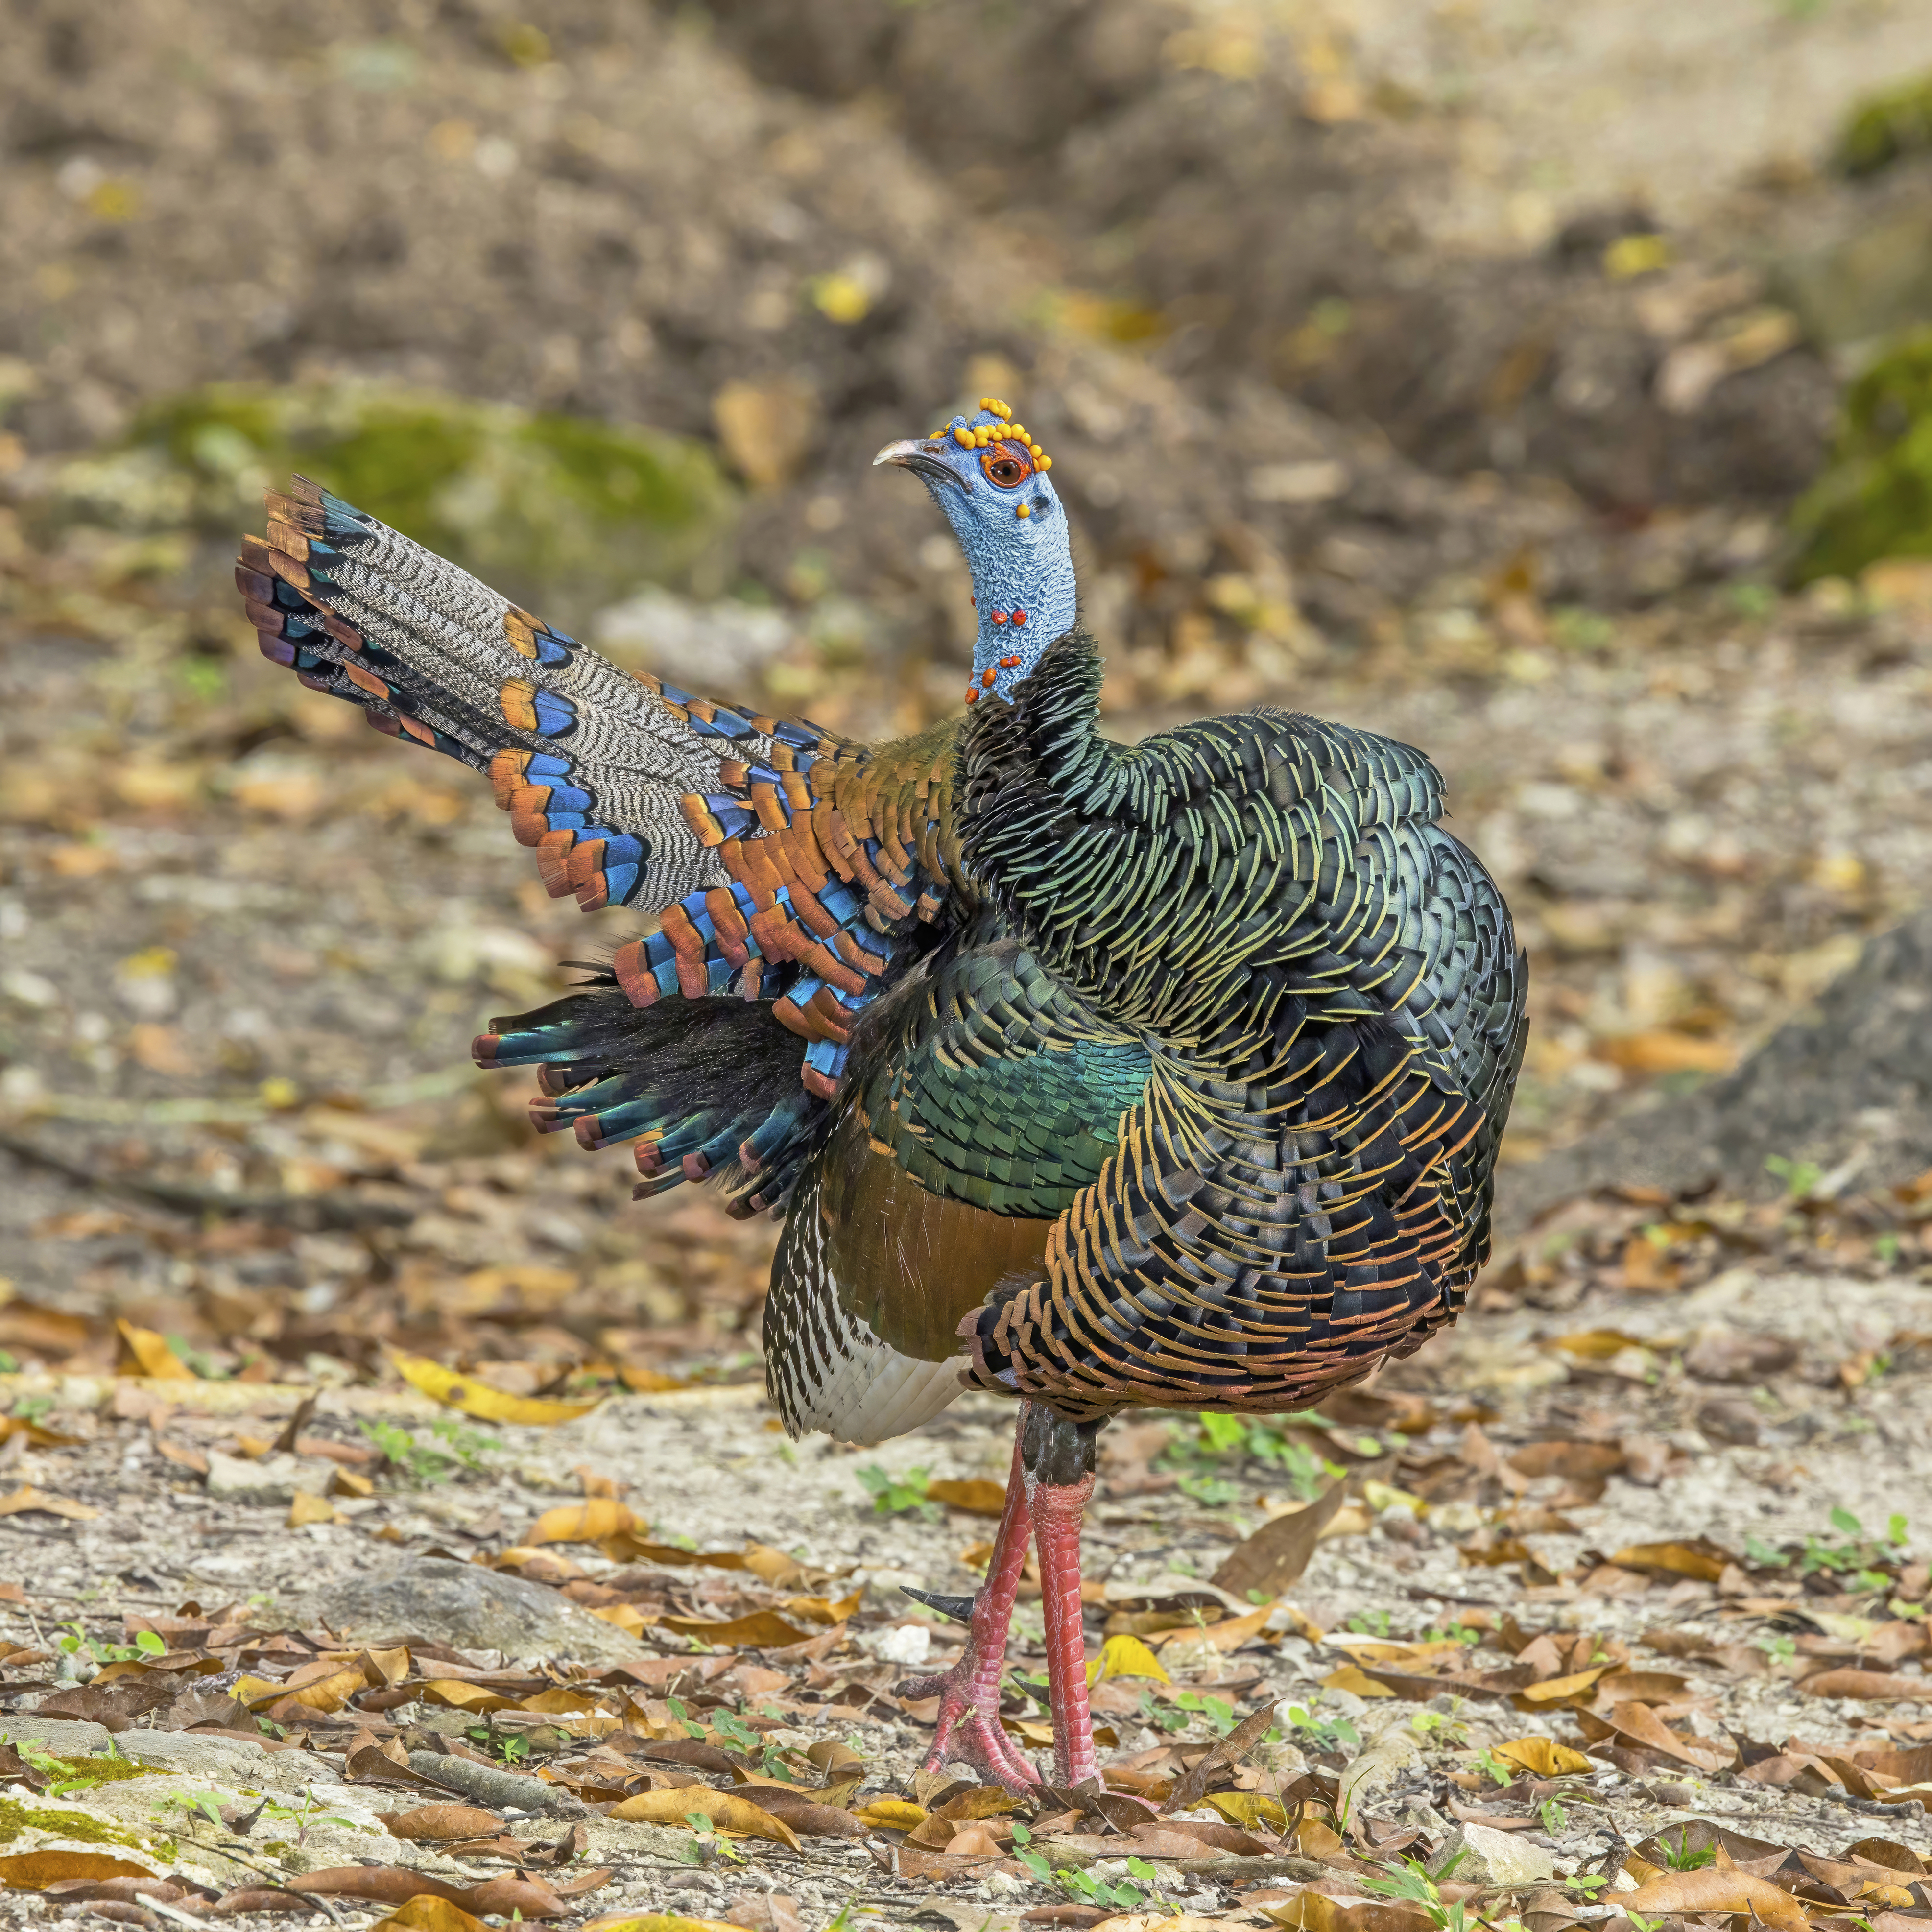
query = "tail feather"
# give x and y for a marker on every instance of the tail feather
(709, 1091)
(788, 868)
(594, 766)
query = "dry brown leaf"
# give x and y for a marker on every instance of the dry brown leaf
(1352, 1678)
(1640, 1725)
(458, 1696)
(1697, 1557)
(1542, 1757)
(1720, 1887)
(37, 1437)
(426, 1913)
(725, 1809)
(975, 1496)
(392, 1884)
(592, 1522)
(145, 1353)
(1226, 1634)
(1252, 1811)
(1278, 1553)
(659, 1921)
(34, 1871)
(1561, 1690)
(26, 1499)
(760, 1629)
(1879, 1686)
(1315, 1912)
(822, 1609)
(441, 1824)
(1578, 1461)
(475, 1398)
(306, 1509)
(892, 1814)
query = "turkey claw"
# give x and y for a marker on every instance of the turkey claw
(969, 1731)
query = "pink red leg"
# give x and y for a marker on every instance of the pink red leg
(969, 1732)
(1058, 1511)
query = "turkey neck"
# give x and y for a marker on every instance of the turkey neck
(1023, 590)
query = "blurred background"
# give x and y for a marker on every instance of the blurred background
(1549, 385)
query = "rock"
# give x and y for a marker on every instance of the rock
(1480, 1855)
(273, 1480)
(230, 1762)
(1380, 1765)
(904, 1643)
(59, 1737)
(1729, 1419)
(1719, 1354)
(715, 645)
(1850, 1082)
(463, 1604)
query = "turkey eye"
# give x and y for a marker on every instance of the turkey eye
(1004, 468)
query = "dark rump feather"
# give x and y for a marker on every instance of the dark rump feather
(708, 1088)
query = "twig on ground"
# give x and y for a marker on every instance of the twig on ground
(321, 1210)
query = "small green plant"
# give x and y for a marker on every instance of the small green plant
(898, 1496)
(1779, 1645)
(1219, 1438)
(1213, 1492)
(1491, 1766)
(1555, 1818)
(9, 1365)
(1464, 1634)
(1325, 1734)
(81, 1648)
(1411, 1881)
(1218, 1711)
(676, 1708)
(1684, 1856)
(1121, 1895)
(191, 1805)
(1369, 1623)
(1426, 1723)
(510, 1746)
(457, 1446)
(710, 1839)
(1577, 629)
(32, 1408)
(1800, 1176)
(1161, 1717)
(1886, 1247)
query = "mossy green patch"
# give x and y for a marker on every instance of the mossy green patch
(100, 1770)
(1874, 499)
(562, 513)
(1886, 128)
(16, 1816)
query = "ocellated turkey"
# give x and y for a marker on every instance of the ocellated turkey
(1098, 1077)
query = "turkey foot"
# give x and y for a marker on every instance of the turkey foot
(969, 1732)
(1057, 1457)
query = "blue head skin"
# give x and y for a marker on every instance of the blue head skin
(990, 480)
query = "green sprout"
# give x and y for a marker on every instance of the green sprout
(897, 1496)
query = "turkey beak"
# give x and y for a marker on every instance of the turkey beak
(916, 457)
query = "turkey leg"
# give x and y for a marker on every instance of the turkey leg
(1057, 1457)
(969, 1693)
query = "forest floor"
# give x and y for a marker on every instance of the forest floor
(1624, 1589)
